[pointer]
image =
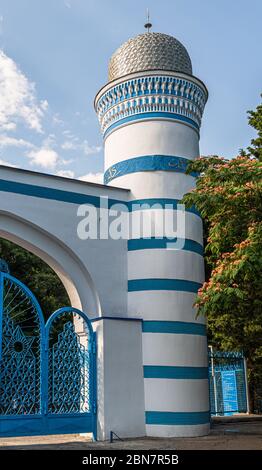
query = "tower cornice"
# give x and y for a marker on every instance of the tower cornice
(151, 95)
(153, 72)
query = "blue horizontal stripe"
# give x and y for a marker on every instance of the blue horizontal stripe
(175, 372)
(163, 284)
(78, 198)
(153, 115)
(175, 327)
(177, 418)
(147, 163)
(163, 243)
(162, 202)
(54, 194)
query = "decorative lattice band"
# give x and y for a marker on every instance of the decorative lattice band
(151, 97)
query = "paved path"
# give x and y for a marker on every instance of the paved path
(236, 435)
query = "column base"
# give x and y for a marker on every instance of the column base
(156, 430)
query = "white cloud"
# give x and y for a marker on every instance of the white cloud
(44, 157)
(66, 173)
(90, 149)
(5, 163)
(9, 126)
(68, 145)
(84, 146)
(65, 162)
(6, 141)
(18, 97)
(57, 120)
(44, 105)
(49, 141)
(92, 178)
(68, 134)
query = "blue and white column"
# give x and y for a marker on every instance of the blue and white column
(150, 121)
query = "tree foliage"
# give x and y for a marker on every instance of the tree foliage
(228, 195)
(255, 120)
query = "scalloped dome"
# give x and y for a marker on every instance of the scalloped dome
(149, 51)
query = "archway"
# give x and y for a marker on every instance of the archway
(38, 276)
(68, 267)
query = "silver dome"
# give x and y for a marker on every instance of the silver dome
(149, 51)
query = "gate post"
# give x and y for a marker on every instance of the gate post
(246, 384)
(120, 384)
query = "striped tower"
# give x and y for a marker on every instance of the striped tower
(150, 114)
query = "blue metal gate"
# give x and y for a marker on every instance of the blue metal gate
(47, 371)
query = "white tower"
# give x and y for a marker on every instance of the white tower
(150, 114)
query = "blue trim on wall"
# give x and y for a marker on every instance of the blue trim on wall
(152, 115)
(54, 194)
(116, 318)
(149, 203)
(78, 198)
(175, 372)
(163, 243)
(163, 284)
(147, 163)
(175, 327)
(177, 418)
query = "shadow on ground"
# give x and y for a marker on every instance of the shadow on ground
(227, 434)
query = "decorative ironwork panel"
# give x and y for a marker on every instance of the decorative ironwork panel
(20, 350)
(69, 379)
(48, 371)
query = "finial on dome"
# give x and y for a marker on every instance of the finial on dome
(148, 25)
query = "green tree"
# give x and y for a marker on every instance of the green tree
(255, 120)
(228, 195)
(36, 275)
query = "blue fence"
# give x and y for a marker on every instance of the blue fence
(227, 383)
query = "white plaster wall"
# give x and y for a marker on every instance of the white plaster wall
(182, 224)
(154, 137)
(165, 264)
(164, 349)
(157, 184)
(121, 406)
(167, 305)
(184, 392)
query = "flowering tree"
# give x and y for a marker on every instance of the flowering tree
(228, 196)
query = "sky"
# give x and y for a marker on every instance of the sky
(54, 56)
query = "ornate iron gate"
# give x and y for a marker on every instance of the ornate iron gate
(47, 371)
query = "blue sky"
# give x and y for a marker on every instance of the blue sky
(54, 56)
